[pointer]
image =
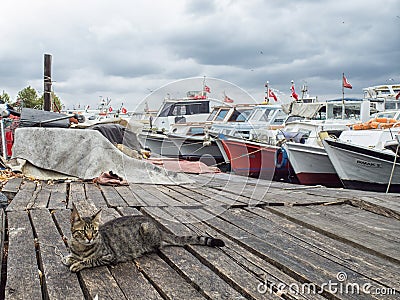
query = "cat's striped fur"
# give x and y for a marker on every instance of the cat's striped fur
(120, 240)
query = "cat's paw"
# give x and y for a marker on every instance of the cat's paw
(67, 260)
(76, 267)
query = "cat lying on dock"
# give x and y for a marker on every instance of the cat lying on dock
(93, 244)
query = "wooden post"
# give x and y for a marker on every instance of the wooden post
(47, 82)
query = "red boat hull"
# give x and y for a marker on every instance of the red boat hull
(257, 160)
(327, 179)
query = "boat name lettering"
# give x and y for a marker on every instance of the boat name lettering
(368, 163)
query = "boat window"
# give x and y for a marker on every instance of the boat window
(196, 131)
(386, 115)
(185, 108)
(240, 115)
(279, 119)
(351, 111)
(264, 115)
(179, 110)
(202, 107)
(221, 115)
(212, 115)
(392, 104)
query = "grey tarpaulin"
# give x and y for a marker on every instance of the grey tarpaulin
(85, 154)
(299, 109)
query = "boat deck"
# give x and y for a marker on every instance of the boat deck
(280, 239)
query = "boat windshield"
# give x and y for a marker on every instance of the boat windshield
(263, 115)
(212, 115)
(335, 111)
(240, 115)
(221, 114)
(184, 108)
(279, 118)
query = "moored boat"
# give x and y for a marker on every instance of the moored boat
(362, 162)
(257, 159)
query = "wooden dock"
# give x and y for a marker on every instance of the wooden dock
(283, 241)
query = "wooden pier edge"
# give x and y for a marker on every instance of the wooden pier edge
(274, 234)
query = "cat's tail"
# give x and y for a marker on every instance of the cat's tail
(174, 240)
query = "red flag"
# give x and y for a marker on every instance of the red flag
(398, 96)
(346, 84)
(271, 94)
(228, 100)
(294, 95)
(123, 110)
(207, 89)
(110, 109)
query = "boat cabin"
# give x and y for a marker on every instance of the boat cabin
(194, 108)
(262, 117)
(219, 114)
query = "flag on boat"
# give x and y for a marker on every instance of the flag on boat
(271, 94)
(294, 95)
(227, 99)
(110, 109)
(346, 84)
(207, 89)
(398, 96)
(123, 110)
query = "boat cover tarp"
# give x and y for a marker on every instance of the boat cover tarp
(118, 134)
(308, 110)
(85, 154)
(33, 117)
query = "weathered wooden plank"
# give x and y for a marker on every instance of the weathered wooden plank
(11, 188)
(216, 196)
(77, 195)
(305, 266)
(167, 281)
(58, 196)
(384, 207)
(100, 283)
(214, 258)
(165, 220)
(271, 276)
(345, 232)
(130, 198)
(129, 211)
(41, 197)
(22, 269)
(94, 195)
(143, 195)
(112, 197)
(132, 282)
(374, 224)
(23, 197)
(164, 197)
(177, 195)
(60, 282)
(62, 219)
(205, 280)
(200, 198)
(344, 254)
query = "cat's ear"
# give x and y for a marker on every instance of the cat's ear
(96, 217)
(75, 217)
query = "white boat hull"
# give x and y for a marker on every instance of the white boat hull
(158, 144)
(362, 168)
(312, 165)
(192, 148)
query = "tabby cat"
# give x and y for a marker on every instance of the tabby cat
(120, 240)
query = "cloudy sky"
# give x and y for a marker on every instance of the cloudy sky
(123, 50)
